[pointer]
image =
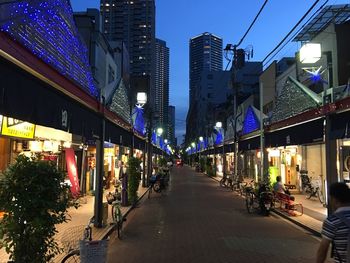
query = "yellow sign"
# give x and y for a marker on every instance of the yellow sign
(17, 128)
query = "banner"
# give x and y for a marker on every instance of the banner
(72, 171)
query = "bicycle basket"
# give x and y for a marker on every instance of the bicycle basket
(110, 198)
(153, 179)
(93, 251)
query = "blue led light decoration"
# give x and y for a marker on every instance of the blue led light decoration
(138, 120)
(154, 137)
(47, 29)
(251, 122)
(316, 75)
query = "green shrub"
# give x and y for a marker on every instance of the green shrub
(34, 198)
(134, 174)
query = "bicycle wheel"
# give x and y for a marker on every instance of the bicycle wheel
(113, 213)
(320, 195)
(72, 257)
(149, 192)
(119, 221)
(222, 182)
(156, 187)
(249, 202)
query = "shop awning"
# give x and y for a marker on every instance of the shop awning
(139, 143)
(118, 135)
(340, 125)
(25, 97)
(305, 133)
(252, 143)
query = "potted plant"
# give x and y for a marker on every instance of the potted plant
(134, 173)
(35, 198)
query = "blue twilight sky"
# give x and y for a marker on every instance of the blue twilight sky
(178, 21)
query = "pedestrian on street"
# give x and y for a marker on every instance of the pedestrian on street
(336, 228)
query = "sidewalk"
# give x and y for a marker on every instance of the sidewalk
(312, 218)
(80, 217)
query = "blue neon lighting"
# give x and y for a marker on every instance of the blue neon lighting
(138, 120)
(47, 29)
(251, 122)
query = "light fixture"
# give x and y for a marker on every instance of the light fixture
(193, 144)
(201, 139)
(310, 53)
(218, 124)
(141, 98)
(160, 131)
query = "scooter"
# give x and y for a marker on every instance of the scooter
(265, 199)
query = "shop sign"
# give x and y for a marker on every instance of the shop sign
(17, 128)
(72, 171)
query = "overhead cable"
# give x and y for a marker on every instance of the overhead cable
(291, 31)
(251, 25)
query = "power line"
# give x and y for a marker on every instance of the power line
(297, 32)
(291, 31)
(251, 25)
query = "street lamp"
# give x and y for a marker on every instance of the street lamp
(141, 98)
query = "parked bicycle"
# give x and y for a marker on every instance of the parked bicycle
(114, 199)
(311, 189)
(227, 181)
(159, 182)
(84, 250)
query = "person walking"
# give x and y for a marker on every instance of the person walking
(336, 228)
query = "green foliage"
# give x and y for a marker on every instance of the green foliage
(210, 170)
(162, 162)
(202, 163)
(134, 174)
(34, 198)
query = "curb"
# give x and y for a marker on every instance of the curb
(309, 229)
(111, 228)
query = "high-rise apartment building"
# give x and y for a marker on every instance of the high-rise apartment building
(171, 129)
(133, 22)
(162, 85)
(206, 52)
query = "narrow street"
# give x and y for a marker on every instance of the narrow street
(197, 221)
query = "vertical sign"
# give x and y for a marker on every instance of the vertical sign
(72, 171)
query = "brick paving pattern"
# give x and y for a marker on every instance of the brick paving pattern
(80, 217)
(197, 221)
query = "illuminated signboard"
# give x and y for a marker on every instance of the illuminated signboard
(17, 128)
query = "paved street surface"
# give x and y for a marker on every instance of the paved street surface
(197, 221)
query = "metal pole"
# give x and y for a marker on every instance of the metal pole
(262, 146)
(99, 177)
(149, 148)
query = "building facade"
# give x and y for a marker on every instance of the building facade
(171, 124)
(133, 23)
(162, 85)
(205, 55)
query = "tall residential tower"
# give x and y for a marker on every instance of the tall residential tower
(162, 85)
(205, 56)
(133, 23)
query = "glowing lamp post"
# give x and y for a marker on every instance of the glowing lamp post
(141, 98)
(310, 53)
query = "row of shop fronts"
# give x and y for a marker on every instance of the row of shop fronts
(43, 112)
(317, 148)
